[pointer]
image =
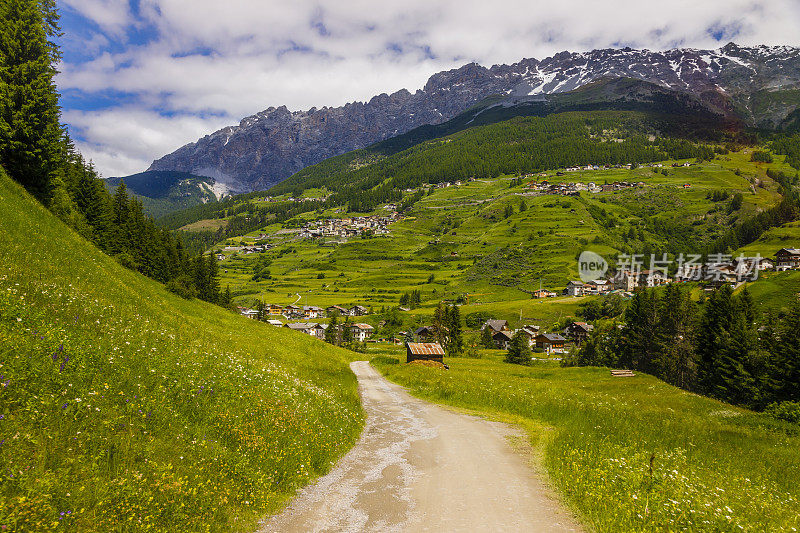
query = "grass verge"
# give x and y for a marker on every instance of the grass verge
(124, 407)
(633, 454)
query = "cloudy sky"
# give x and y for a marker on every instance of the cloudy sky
(141, 78)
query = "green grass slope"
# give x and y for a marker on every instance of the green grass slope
(461, 236)
(633, 454)
(124, 407)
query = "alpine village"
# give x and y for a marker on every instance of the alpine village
(557, 294)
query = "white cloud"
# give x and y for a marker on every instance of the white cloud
(111, 15)
(122, 141)
(239, 57)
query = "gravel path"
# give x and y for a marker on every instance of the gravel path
(420, 467)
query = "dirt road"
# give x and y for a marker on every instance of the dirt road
(420, 467)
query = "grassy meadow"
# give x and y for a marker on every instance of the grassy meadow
(457, 243)
(631, 454)
(125, 408)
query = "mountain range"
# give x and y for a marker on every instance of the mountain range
(755, 86)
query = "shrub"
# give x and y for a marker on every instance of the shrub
(475, 320)
(183, 286)
(789, 411)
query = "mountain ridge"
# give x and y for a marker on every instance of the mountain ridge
(271, 145)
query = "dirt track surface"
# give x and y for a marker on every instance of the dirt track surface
(420, 467)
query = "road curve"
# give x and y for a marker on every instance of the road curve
(420, 467)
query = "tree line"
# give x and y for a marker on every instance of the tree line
(719, 348)
(519, 145)
(37, 152)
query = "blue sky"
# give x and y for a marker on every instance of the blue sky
(140, 78)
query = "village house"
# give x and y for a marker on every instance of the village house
(530, 333)
(624, 280)
(303, 327)
(292, 311)
(425, 333)
(787, 259)
(424, 351)
(336, 310)
(502, 339)
(579, 331)
(274, 322)
(766, 264)
(652, 278)
(358, 310)
(496, 325)
(274, 309)
(311, 311)
(574, 288)
(249, 313)
(543, 293)
(319, 331)
(550, 342)
(361, 332)
(597, 286)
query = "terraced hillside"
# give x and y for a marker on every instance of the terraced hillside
(474, 241)
(124, 407)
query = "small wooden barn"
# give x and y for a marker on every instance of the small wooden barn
(425, 351)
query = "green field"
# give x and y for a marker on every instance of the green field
(461, 237)
(124, 407)
(632, 454)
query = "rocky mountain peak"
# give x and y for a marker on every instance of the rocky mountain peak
(271, 145)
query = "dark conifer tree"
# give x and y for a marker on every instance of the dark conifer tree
(30, 133)
(486, 338)
(786, 373)
(456, 344)
(642, 340)
(332, 331)
(716, 319)
(519, 353)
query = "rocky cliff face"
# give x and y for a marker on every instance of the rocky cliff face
(763, 84)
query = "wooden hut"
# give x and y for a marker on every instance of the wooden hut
(425, 351)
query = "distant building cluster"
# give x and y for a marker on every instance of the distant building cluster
(271, 312)
(361, 332)
(271, 199)
(293, 312)
(574, 189)
(246, 250)
(343, 228)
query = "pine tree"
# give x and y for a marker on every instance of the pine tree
(519, 352)
(786, 374)
(347, 333)
(642, 344)
(676, 362)
(456, 344)
(486, 338)
(332, 332)
(226, 300)
(745, 301)
(213, 281)
(440, 324)
(715, 321)
(120, 207)
(735, 378)
(30, 134)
